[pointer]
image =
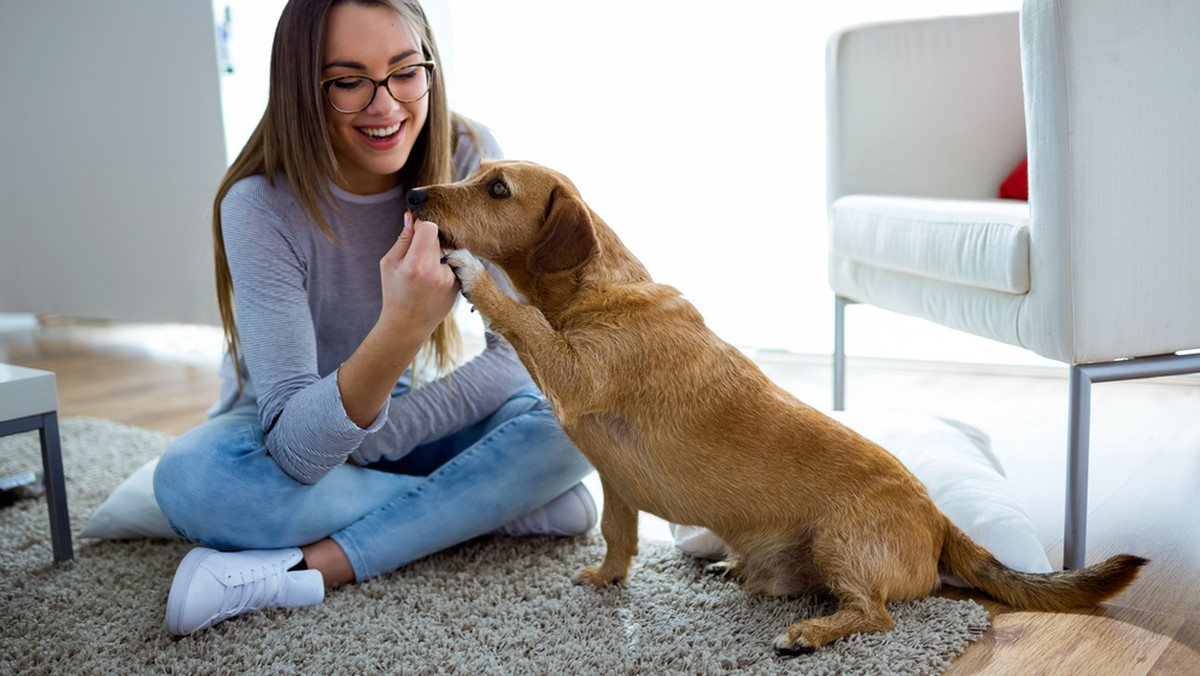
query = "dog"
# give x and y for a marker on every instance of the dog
(680, 424)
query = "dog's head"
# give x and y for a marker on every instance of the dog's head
(524, 217)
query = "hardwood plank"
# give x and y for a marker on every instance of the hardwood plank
(1182, 657)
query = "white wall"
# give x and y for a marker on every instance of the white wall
(111, 146)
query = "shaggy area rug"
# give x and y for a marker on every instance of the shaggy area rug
(493, 605)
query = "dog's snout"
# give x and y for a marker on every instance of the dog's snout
(417, 197)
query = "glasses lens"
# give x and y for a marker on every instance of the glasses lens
(409, 83)
(351, 93)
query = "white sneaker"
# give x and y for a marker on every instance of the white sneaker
(211, 586)
(572, 513)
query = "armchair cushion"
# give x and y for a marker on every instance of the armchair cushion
(975, 243)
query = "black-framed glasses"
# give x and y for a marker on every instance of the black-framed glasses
(353, 93)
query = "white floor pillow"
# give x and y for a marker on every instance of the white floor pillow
(956, 464)
(131, 511)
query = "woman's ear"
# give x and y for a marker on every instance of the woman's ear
(566, 240)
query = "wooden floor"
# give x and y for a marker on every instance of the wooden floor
(1145, 470)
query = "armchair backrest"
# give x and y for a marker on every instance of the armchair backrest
(929, 107)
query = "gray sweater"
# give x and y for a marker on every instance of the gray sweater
(304, 304)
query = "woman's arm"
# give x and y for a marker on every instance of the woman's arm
(313, 422)
(439, 408)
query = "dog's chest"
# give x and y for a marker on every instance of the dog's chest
(625, 461)
(609, 441)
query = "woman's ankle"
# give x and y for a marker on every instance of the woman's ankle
(327, 557)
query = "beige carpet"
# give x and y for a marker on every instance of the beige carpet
(496, 605)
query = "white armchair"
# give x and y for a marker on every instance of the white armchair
(1100, 269)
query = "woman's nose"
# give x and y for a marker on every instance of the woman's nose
(383, 103)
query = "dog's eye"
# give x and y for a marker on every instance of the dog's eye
(499, 189)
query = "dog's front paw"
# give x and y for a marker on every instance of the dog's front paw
(597, 576)
(466, 267)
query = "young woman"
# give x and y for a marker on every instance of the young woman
(326, 460)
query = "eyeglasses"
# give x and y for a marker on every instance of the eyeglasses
(353, 93)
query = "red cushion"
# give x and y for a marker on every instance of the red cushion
(1016, 186)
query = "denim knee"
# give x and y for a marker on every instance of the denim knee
(196, 485)
(175, 483)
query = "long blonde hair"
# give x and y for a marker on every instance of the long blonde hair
(291, 141)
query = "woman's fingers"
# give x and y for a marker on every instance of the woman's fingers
(424, 240)
(400, 249)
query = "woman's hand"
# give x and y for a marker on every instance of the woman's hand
(418, 289)
(418, 292)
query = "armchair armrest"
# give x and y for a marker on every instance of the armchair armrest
(930, 107)
(1113, 104)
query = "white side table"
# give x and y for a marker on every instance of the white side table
(29, 401)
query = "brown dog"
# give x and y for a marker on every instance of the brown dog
(681, 424)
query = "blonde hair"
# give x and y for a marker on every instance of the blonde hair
(291, 141)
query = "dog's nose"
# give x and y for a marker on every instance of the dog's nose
(417, 197)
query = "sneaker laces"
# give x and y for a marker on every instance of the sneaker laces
(259, 587)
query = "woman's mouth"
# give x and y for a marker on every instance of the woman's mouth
(381, 136)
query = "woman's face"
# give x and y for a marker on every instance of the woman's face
(373, 144)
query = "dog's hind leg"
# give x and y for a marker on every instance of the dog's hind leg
(863, 574)
(860, 612)
(620, 529)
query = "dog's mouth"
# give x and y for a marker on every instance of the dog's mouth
(415, 201)
(418, 206)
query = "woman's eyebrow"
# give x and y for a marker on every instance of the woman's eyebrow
(356, 65)
(400, 57)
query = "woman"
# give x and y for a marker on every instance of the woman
(323, 462)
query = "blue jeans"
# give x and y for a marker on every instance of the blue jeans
(217, 486)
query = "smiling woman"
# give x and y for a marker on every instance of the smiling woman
(372, 135)
(322, 463)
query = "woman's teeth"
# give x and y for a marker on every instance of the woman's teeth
(381, 132)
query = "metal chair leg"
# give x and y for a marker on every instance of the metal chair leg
(1082, 377)
(839, 352)
(1075, 524)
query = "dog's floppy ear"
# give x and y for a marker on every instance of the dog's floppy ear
(566, 240)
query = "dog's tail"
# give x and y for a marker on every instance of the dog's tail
(1057, 591)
